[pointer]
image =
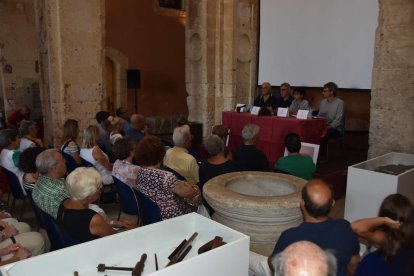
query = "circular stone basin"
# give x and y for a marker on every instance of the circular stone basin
(258, 204)
(261, 187)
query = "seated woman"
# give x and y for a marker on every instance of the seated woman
(116, 127)
(123, 168)
(222, 131)
(74, 215)
(14, 231)
(216, 164)
(393, 233)
(94, 155)
(68, 143)
(299, 103)
(162, 187)
(28, 133)
(9, 156)
(28, 166)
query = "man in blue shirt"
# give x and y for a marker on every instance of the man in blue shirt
(137, 128)
(334, 235)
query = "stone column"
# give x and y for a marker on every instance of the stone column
(392, 103)
(71, 46)
(221, 56)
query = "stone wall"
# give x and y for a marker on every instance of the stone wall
(71, 45)
(392, 103)
(18, 49)
(221, 43)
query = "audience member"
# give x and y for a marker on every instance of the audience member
(69, 143)
(248, 156)
(178, 159)
(28, 134)
(123, 168)
(285, 96)
(9, 156)
(28, 165)
(295, 163)
(103, 125)
(222, 131)
(16, 251)
(304, 258)
(162, 187)
(331, 234)
(74, 215)
(137, 128)
(92, 153)
(393, 233)
(116, 126)
(216, 164)
(333, 110)
(19, 233)
(49, 191)
(299, 102)
(266, 100)
(123, 113)
(14, 119)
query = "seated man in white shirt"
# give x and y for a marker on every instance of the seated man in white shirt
(333, 110)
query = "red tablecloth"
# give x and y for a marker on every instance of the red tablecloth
(273, 131)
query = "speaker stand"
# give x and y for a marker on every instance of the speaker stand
(136, 104)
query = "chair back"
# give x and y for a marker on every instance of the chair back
(70, 161)
(311, 150)
(38, 215)
(14, 184)
(58, 237)
(53, 230)
(149, 211)
(127, 198)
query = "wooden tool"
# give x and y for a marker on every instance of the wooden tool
(183, 251)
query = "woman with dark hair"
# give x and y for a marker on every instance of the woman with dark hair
(162, 187)
(28, 165)
(123, 168)
(68, 142)
(9, 156)
(393, 233)
(299, 102)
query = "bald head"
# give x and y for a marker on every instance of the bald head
(305, 259)
(137, 121)
(317, 198)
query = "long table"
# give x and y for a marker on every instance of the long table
(273, 131)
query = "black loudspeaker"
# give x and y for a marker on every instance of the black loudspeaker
(133, 79)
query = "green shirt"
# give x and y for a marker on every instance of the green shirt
(49, 193)
(298, 165)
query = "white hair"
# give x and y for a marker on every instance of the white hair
(46, 160)
(83, 182)
(181, 135)
(249, 131)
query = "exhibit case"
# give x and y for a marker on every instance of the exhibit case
(125, 250)
(371, 181)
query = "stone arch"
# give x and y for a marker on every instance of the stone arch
(120, 65)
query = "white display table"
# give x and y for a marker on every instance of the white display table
(367, 188)
(125, 249)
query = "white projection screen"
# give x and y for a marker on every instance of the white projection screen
(311, 42)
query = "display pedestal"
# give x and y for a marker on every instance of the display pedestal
(125, 249)
(367, 188)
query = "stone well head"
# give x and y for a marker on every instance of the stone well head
(258, 204)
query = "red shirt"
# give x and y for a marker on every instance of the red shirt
(14, 119)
